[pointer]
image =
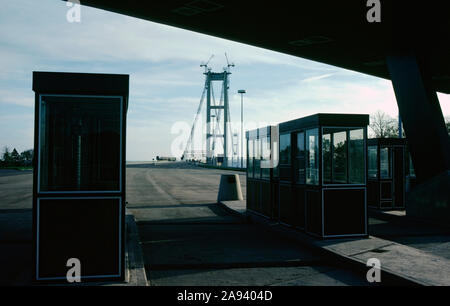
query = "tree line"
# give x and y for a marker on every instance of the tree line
(384, 126)
(15, 159)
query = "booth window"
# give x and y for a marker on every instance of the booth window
(356, 161)
(385, 163)
(250, 158)
(343, 156)
(274, 152)
(373, 156)
(257, 163)
(340, 157)
(327, 160)
(312, 161)
(285, 149)
(80, 143)
(300, 158)
(265, 171)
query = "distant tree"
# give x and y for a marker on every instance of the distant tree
(6, 155)
(27, 157)
(383, 125)
(15, 158)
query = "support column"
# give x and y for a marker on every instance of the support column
(208, 118)
(421, 114)
(426, 134)
(225, 122)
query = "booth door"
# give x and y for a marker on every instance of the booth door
(399, 177)
(386, 178)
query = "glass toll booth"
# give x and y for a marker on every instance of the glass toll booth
(79, 177)
(322, 174)
(260, 170)
(390, 173)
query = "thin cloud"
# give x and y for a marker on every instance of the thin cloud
(113, 37)
(316, 78)
(16, 96)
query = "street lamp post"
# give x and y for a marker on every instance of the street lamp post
(242, 92)
(213, 139)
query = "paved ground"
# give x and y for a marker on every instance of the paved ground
(426, 237)
(189, 240)
(409, 250)
(16, 189)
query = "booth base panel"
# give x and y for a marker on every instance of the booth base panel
(335, 213)
(88, 229)
(285, 204)
(250, 194)
(259, 197)
(265, 199)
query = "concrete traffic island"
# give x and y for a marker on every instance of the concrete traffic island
(230, 188)
(407, 264)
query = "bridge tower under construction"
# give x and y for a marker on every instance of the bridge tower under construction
(218, 128)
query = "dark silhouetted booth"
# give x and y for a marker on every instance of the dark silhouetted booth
(261, 143)
(390, 173)
(79, 177)
(322, 174)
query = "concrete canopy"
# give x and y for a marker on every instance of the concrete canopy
(331, 32)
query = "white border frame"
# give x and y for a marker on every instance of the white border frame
(78, 198)
(39, 191)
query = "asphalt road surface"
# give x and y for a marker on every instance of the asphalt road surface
(16, 191)
(187, 239)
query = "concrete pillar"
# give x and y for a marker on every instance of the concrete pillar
(427, 137)
(208, 118)
(422, 117)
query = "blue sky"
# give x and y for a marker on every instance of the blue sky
(166, 81)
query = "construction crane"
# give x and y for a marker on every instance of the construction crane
(206, 64)
(228, 64)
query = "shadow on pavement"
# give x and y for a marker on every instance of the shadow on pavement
(412, 232)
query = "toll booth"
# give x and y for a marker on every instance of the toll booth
(79, 177)
(390, 173)
(322, 174)
(261, 143)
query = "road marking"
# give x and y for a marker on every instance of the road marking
(159, 189)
